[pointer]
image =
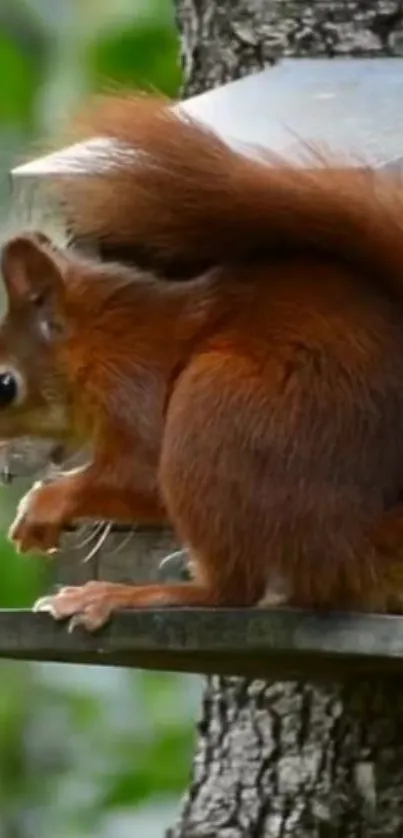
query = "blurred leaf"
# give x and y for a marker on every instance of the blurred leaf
(161, 764)
(22, 578)
(145, 57)
(19, 80)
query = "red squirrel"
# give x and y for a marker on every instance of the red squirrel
(235, 360)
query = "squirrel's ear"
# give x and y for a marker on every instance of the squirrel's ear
(31, 269)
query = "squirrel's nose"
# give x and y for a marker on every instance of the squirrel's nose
(8, 389)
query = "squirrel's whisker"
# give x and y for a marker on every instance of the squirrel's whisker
(98, 545)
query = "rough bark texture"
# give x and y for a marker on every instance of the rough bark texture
(225, 39)
(284, 760)
(295, 760)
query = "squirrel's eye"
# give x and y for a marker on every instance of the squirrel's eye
(9, 389)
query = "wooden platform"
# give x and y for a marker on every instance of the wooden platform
(256, 643)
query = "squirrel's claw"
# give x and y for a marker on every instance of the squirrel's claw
(44, 604)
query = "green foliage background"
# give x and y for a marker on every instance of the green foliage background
(83, 751)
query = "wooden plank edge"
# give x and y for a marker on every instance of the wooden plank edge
(252, 642)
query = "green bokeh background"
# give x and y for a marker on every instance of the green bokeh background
(84, 752)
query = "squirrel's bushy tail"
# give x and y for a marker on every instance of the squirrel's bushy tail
(171, 192)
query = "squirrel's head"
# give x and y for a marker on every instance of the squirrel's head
(33, 393)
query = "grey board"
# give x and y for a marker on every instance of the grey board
(354, 106)
(254, 643)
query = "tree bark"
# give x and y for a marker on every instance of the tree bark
(223, 40)
(286, 759)
(281, 760)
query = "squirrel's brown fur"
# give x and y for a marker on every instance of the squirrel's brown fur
(259, 404)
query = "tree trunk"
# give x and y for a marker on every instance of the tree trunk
(223, 40)
(278, 760)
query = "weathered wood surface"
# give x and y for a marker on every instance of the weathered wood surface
(250, 642)
(125, 556)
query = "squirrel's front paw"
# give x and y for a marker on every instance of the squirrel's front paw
(39, 521)
(90, 605)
